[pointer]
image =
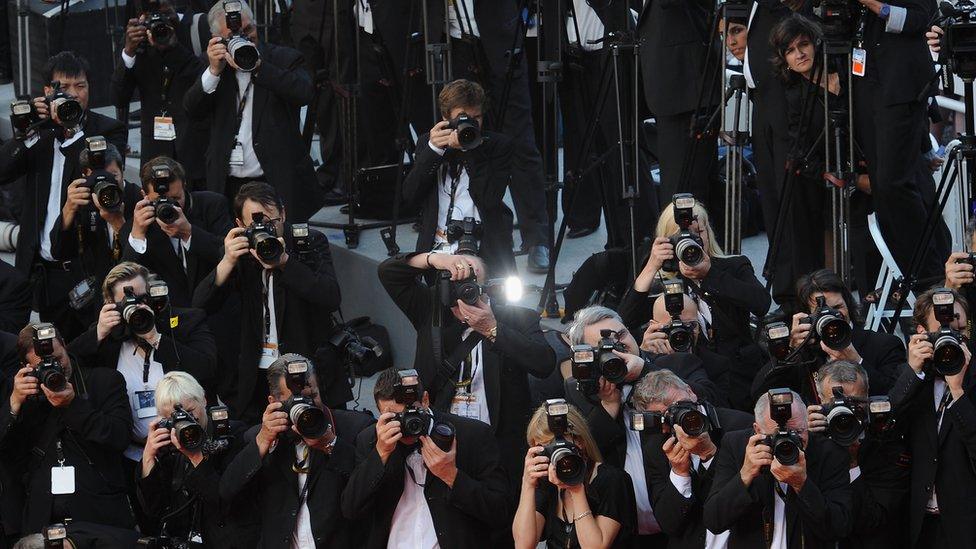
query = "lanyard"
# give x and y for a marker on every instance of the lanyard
(455, 175)
(167, 81)
(242, 102)
(943, 404)
(267, 308)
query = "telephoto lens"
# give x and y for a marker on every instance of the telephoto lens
(843, 426)
(689, 417)
(613, 368)
(947, 357)
(107, 191)
(141, 320)
(308, 419)
(50, 373)
(786, 448)
(244, 53)
(443, 435)
(567, 460)
(263, 239)
(190, 433)
(166, 210)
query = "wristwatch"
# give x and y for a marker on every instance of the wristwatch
(885, 11)
(493, 333)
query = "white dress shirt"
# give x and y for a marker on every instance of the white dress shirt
(130, 365)
(252, 167)
(634, 465)
(463, 204)
(54, 198)
(779, 519)
(269, 352)
(746, 71)
(683, 486)
(590, 26)
(364, 15)
(303, 538)
(139, 246)
(412, 526)
(476, 406)
(466, 8)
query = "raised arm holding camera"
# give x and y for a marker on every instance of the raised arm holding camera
(425, 478)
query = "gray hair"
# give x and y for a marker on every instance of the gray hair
(587, 317)
(279, 369)
(761, 411)
(177, 386)
(33, 541)
(215, 17)
(841, 371)
(655, 388)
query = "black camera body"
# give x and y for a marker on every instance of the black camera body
(160, 25)
(82, 294)
(786, 444)
(262, 237)
(139, 320)
(695, 418)
(309, 420)
(158, 295)
(958, 47)
(450, 291)
(55, 535)
(948, 357)
(466, 233)
(189, 432)
(590, 363)
(355, 350)
(301, 240)
(23, 117)
(847, 417)
(468, 131)
(244, 53)
(69, 110)
(414, 421)
(565, 456)
(166, 208)
(108, 192)
(49, 372)
(778, 340)
(688, 246)
(828, 326)
(681, 334)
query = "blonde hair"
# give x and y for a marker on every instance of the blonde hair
(667, 226)
(538, 431)
(123, 272)
(175, 387)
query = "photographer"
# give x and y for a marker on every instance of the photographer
(764, 502)
(678, 463)
(454, 181)
(286, 298)
(254, 130)
(179, 486)
(580, 502)
(66, 429)
(487, 347)
(960, 268)
(296, 463)
(881, 355)
(424, 478)
(726, 289)
(47, 157)
(879, 458)
(158, 63)
(186, 246)
(933, 400)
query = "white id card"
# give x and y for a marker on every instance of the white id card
(164, 129)
(465, 405)
(859, 61)
(62, 480)
(145, 402)
(237, 154)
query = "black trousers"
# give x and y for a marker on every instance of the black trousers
(675, 148)
(933, 533)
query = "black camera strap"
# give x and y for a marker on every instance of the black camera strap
(241, 103)
(450, 366)
(164, 95)
(455, 174)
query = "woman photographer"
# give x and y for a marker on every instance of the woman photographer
(725, 288)
(178, 486)
(599, 512)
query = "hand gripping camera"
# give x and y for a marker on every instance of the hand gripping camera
(468, 131)
(688, 246)
(567, 458)
(414, 421)
(829, 326)
(849, 417)
(103, 184)
(786, 443)
(450, 291)
(49, 371)
(695, 418)
(189, 432)
(948, 357)
(167, 209)
(140, 320)
(591, 363)
(244, 53)
(681, 334)
(262, 237)
(309, 420)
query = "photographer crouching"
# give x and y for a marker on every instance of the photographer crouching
(187, 449)
(424, 478)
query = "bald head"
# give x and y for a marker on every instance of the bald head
(688, 314)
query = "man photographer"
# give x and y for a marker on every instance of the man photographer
(64, 429)
(775, 485)
(474, 351)
(933, 401)
(176, 233)
(287, 287)
(186, 451)
(830, 331)
(426, 479)
(158, 63)
(255, 107)
(461, 172)
(879, 458)
(678, 464)
(48, 141)
(296, 463)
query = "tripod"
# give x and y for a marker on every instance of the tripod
(438, 55)
(735, 140)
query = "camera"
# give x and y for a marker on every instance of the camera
(139, 319)
(82, 294)
(355, 350)
(103, 184)
(160, 25)
(443, 435)
(591, 363)
(450, 291)
(848, 418)
(566, 457)
(468, 131)
(301, 240)
(219, 426)
(948, 357)
(309, 420)
(688, 246)
(23, 117)
(786, 443)
(190, 433)
(49, 371)
(778, 340)
(466, 233)
(958, 48)
(829, 326)
(166, 208)
(681, 334)
(55, 535)
(244, 53)
(66, 106)
(840, 20)
(694, 418)
(263, 239)
(414, 421)
(158, 295)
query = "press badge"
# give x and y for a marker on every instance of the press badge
(237, 154)
(859, 60)
(269, 354)
(163, 128)
(145, 404)
(465, 404)
(62, 480)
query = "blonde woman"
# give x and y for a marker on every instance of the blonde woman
(597, 513)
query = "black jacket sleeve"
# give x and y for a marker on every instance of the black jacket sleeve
(198, 104)
(401, 283)
(729, 498)
(479, 489)
(13, 161)
(825, 503)
(313, 280)
(190, 346)
(108, 422)
(636, 308)
(737, 284)
(421, 179)
(522, 343)
(367, 478)
(290, 81)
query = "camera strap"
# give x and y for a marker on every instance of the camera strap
(455, 176)
(943, 404)
(164, 95)
(451, 365)
(241, 103)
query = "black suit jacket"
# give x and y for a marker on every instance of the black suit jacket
(306, 292)
(943, 460)
(758, 50)
(208, 214)
(281, 87)
(674, 40)
(466, 515)
(816, 517)
(16, 161)
(881, 494)
(902, 64)
(94, 430)
(680, 517)
(170, 72)
(489, 173)
(15, 298)
(189, 346)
